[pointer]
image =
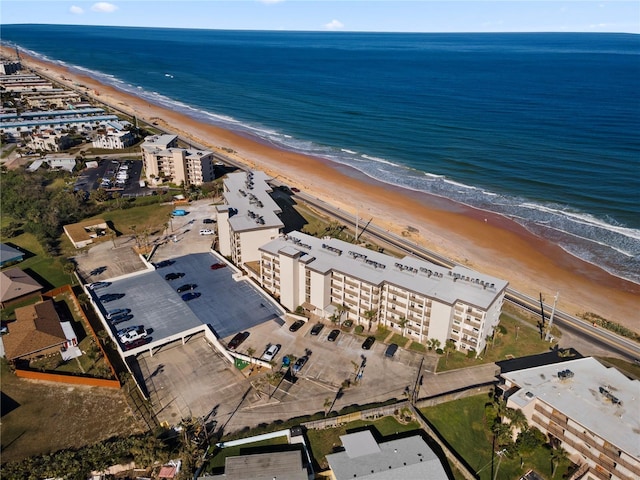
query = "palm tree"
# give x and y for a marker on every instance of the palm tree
(370, 316)
(69, 268)
(449, 346)
(402, 323)
(557, 455)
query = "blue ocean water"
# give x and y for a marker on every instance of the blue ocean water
(543, 128)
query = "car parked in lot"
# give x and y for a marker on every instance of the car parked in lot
(186, 287)
(206, 231)
(237, 340)
(208, 221)
(190, 296)
(134, 334)
(216, 266)
(270, 352)
(97, 285)
(136, 343)
(173, 275)
(297, 325)
(368, 343)
(117, 311)
(110, 297)
(391, 350)
(299, 364)
(164, 263)
(333, 334)
(317, 328)
(123, 317)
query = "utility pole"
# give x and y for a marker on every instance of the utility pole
(553, 311)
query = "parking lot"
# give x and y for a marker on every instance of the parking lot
(188, 376)
(91, 178)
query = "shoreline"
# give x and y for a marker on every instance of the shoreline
(478, 239)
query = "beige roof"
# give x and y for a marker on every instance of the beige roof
(77, 232)
(15, 283)
(37, 327)
(266, 466)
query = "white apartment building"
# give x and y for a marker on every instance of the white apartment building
(329, 277)
(115, 137)
(163, 159)
(592, 410)
(249, 217)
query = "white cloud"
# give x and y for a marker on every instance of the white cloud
(76, 10)
(104, 7)
(334, 25)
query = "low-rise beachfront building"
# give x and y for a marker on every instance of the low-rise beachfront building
(8, 67)
(163, 159)
(364, 458)
(19, 82)
(55, 98)
(248, 219)
(589, 409)
(338, 280)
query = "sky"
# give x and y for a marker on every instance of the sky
(621, 16)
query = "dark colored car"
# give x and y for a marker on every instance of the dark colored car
(317, 328)
(186, 287)
(295, 190)
(124, 317)
(216, 266)
(368, 343)
(164, 263)
(333, 334)
(237, 340)
(110, 297)
(190, 296)
(97, 285)
(297, 325)
(173, 276)
(391, 350)
(299, 364)
(208, 220)
(117, 311)
(135, 343)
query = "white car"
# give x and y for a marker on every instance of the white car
(271, 352)
(206, 231)
(133, 334)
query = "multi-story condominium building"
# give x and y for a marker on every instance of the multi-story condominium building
(8, 67)
(591, 410)
(114, 136)
(335, 279)
(248, 219)
(55, 98)
(163, 159)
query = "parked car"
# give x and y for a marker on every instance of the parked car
(122, 331)
(317, 328)
(271, 352)
(117, 311)
(97, 285)
(333, 334)
(173, 276)
(190, 296)
(186, 287)
(124, 317)
(368, 343)
(136, 343)
(110, 297)
(237, 340)
(179, 213)
(164, 263)
(391, 350)
(216, 266)
(132, 335)
(208, 221)
(299, 364)
(286, 361)
(206, 231)
(297, 325)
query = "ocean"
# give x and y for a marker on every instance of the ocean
(543, 128)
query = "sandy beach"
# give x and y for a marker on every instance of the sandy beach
(483, 241)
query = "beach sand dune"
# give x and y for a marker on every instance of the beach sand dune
(486, 242)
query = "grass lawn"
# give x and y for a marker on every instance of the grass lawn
(46, 270)
(462, 424)
(322, 442)
(417, 347)
(399, 340)
(217, 460)
(528, 342)
(151, 217)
